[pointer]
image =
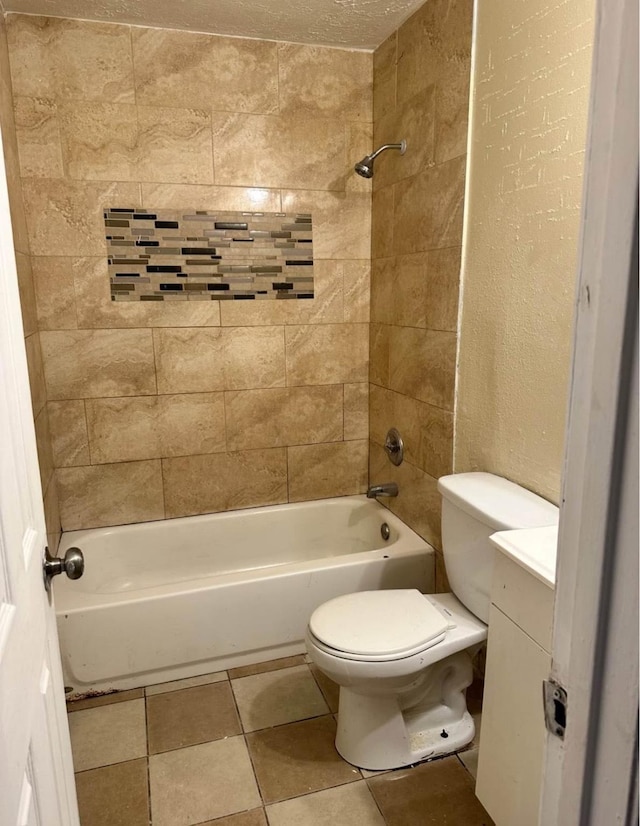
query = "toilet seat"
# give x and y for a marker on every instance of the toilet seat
(375, 626)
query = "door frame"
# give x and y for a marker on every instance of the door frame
(591, 776)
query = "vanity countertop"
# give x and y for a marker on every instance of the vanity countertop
(534, 549)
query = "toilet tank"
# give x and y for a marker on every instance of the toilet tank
(475, 505)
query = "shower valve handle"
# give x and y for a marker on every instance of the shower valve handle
(72, 564)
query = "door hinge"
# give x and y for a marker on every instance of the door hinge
(555, 707)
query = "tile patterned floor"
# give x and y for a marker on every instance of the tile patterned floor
(250, 747)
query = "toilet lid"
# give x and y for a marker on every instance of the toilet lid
(379, 623)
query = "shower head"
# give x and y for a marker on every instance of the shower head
(365, 166)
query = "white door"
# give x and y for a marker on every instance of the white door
(36, 774)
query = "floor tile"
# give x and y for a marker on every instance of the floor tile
(114, 795)
(189, 682)
(350, 805)
(201, 783)
(298, 758)
(431, 794)
(105, 699)
(469, 760)
(193, 715)
(270, 665)
(330, 690)
(109, 734)
(278, 697)
(256, 817)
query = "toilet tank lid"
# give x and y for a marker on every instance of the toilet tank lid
(497, 502)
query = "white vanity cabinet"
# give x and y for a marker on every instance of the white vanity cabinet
(518, 660)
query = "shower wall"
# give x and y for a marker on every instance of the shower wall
(27, 298)
(175, 408)
(421, 93)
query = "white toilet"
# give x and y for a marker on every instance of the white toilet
(402, 659)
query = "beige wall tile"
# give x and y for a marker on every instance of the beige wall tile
(233, 358)
(66, 216)
(452, 112)
(384, 76)
(152, 427)
(321, 471)
(328, 82)
(229, 74)
(356, 411)
(419, 50)
(69, 439)
(382, 290)
(27, 294)
(99, 141)
(55, 293)
(382, 222)
(341, 221)
(91, 497)
(442, 581)
(422, 365)
(357, 290)
(414, 122)
(10, 148)
(43, 443)
(95, 309)
(58, 58)
(278, 151)
(427, 431)
(38, 134)
(429, 208)
(226, 481)
(283, 416)
(418, 502)
(326, 353)
(174, 145)
(359, 142)
(443, 285)
(96, 363)
(379, 343)
(36, 373)
(52, 516)
(194, 196)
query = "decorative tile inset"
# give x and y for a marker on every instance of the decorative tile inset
(195, 255)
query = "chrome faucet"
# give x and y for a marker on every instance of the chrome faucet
(386, 489)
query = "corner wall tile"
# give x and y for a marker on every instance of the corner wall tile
(95, 363)
(356, 411)
(38, 135)
(422, 365)
(322, 471)
(36, 373)
(27, 294)
(226, 481)
(384, 76)
(327, 353)
(315, 80)
(69, 439)
(43, 443)
(55, 58)
(100, 495)
(55, 293)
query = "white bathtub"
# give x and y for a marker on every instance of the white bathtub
(181, 597)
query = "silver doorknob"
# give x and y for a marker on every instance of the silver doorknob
(72, 564)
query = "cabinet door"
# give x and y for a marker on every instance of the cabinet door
(513, 731)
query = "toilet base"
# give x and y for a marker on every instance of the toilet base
(376, 733)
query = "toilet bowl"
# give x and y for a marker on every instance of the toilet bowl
(402, 659)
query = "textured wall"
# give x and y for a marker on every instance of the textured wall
(421, 93)
(27, 297)
(531, 94)
(191, 407)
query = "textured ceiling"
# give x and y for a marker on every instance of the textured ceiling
(355, 24)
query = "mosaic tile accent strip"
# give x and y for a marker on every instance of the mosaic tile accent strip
(196, 255)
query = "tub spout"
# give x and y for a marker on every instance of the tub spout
(387, 489)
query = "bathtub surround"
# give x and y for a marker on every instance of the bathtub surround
(421, 90)
(173, 407)
(30, 320)
(200, 255)
(528, 134)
